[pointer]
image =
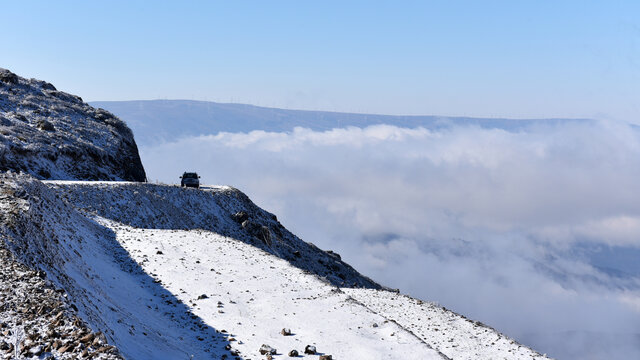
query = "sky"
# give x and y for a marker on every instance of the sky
(458, 58)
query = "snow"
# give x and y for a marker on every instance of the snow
(253, 295)
(454, 335)
(165, 272)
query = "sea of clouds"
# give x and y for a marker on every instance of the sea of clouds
(535, 232)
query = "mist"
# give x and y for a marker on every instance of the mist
(534, 231)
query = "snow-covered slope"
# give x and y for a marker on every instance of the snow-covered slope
(54, 135)
(223, 210)
(171, 273)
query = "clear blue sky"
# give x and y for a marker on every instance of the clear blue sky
(476, 58)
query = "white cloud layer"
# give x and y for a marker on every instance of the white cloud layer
(535, 232)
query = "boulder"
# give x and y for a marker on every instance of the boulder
(45, 125)
(310, 349)
(266, 349)
(293, 353)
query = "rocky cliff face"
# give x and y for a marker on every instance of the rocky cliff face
(54, 135)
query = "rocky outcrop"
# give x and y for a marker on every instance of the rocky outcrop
(54, 135)
(36, 318)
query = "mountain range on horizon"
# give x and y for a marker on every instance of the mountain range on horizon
(168, 120)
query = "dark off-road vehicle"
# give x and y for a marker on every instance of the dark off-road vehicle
(190, 179)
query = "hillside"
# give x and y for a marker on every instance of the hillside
(54, 135)
(160, 284)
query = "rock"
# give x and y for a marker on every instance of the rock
(293, 353)
(202, 297)
(4, 345)
(297, 254)
(286, 332)
(89, 148)
(36, 350)
(261, 232)
(240, 217)
(45, 125)
(48, 86)
(105, 349)
(66, 348)
(310, 349)
(234, 352)
(159, 252)
(265, 235)
(87, 338)
(8, 77)
(325, 357)
(266, 349)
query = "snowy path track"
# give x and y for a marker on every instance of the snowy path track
(454, 335)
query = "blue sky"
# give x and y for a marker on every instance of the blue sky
(489, 58)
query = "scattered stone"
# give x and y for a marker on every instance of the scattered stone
(87, 338)
(286, 332)
(159, 252)
(325, 357)
(293, 353)
(310, 349)
(202, 297)
(266, 349)
(66, 348)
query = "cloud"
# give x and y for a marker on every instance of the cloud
(513, 228)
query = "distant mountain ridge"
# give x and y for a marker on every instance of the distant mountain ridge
(169, 120)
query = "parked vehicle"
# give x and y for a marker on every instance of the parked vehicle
(190, 179)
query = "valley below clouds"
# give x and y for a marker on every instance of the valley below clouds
(534, 231)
